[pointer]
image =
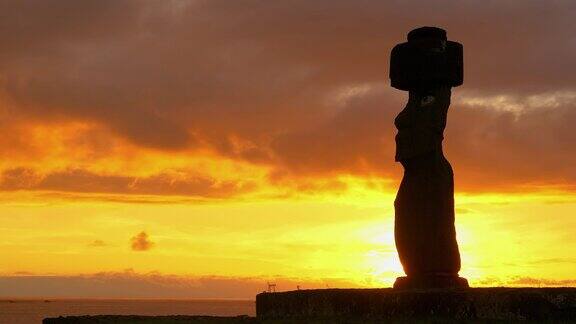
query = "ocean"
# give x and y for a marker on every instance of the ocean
(19, 311)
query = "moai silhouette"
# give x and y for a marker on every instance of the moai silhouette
(427, 66)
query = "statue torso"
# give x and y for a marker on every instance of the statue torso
(421, 123)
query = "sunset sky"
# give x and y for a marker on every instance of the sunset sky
(202, 148)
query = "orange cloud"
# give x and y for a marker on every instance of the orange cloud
(297, 91)
(532, 282)
(81, 181)
(265, 130)
(97, 243)
(141, 242)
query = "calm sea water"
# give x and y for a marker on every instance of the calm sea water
(33, 311)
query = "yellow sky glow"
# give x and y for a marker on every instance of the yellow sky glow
(146, 142)
(321, 236)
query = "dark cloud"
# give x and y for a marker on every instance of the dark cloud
(513, 150)
(490, 149)
(129, 284)
(280, 83)
(97, 243)
(82, 181)
(526, 282)
(141, 242)
(356, 140)
(535, 282)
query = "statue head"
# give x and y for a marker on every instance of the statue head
(427, 60)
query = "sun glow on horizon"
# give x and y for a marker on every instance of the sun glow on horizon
(347, 237)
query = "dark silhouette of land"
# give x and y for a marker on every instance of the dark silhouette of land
(471, 305)
(421, 305)
(132, 319)
(427, 66)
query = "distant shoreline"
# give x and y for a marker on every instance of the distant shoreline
(127, 319)
(9, 299)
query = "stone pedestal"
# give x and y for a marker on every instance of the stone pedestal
(430, 282)
(478, 305)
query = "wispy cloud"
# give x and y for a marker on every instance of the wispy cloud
(130, 284)
(97, 243)
(152, 285)
(175, 183)
(537, 282)
(548, 261)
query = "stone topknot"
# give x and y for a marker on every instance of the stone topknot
(427, 32)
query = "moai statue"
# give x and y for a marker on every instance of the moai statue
(427, 66)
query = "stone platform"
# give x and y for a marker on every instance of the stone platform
(375, 305)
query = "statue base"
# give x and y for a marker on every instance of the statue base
(430, 282)
(387, 305)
